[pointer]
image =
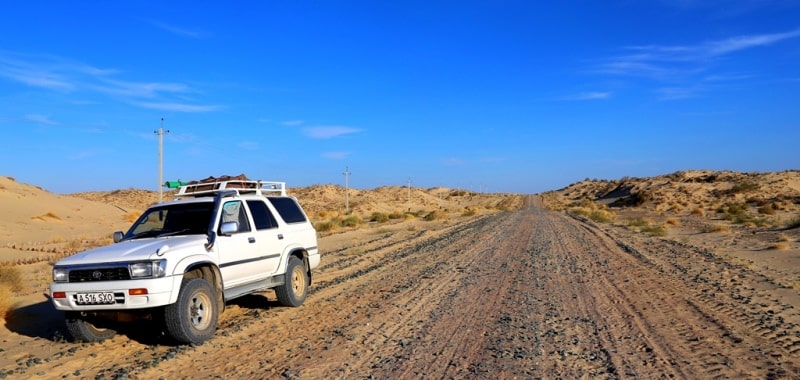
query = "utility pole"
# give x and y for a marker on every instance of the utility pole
(161, 132)
(346, 190)
(409, 194)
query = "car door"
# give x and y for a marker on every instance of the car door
(269, 237)
(240, 259)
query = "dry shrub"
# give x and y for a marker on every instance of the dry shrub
(673, 222)
(379, 217)
(601, 216)
(6, 300)
(698, 211)
(436, 215)
(793, 222)
(11, 276)
(469, 212)
(715, 228)
(327, 226)
(779, 246)
(638, 222)
(767, 209)
(655, 230)
(131, 217)
(322, 214)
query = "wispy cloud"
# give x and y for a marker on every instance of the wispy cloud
(596, 95)
(40, 119)
(328, 132)
(292, 123)
(247, 145)
(664, 62)
(179, 31)
(177, 107)
(63, 75)
(453, 161)
(336, 155)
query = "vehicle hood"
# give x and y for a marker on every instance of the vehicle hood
(134, 250)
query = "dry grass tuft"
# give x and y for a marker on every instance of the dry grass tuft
(436, 215)
(708, 228)
(11, 276)
(131, 217)
(779, 247)
(6, 301)
(698, 211)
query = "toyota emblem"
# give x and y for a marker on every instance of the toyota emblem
(97, 274)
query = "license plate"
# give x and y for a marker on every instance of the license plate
(95, 298)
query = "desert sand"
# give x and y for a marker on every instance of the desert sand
(688, 275)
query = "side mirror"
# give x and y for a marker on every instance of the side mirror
(228, 228)
(118, 235)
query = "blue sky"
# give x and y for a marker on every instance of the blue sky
(499, 96)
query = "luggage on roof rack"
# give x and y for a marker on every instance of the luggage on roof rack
(201, 188)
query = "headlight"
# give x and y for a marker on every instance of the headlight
(60, 275)
(149, 269)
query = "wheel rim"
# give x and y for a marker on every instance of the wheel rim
(200, 311)
(298, 282)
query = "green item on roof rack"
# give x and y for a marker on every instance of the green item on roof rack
(175, 184)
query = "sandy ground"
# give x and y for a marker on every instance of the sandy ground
(520, 294)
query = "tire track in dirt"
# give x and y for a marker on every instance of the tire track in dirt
(523, 294)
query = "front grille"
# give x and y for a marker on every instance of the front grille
(101, 274)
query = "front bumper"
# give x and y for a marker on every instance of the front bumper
(160, 292)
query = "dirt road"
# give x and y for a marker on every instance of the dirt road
(524, 294)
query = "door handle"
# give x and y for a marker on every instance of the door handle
(251, 240)
(280, 236)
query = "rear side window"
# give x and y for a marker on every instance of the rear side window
(288, 209)
(261, 215)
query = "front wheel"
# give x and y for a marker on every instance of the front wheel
(294, 290)
(84, 329)
(193, 317)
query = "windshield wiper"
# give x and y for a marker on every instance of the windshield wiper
(173, 232)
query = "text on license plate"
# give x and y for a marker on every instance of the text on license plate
(95, 298)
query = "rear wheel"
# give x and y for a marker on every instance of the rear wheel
(294, 290)
(193, 317)
(85, 329)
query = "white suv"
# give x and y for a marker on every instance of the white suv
(183, 260)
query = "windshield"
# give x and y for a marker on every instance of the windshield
(177, 219)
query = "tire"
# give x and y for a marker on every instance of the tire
(294, 290)
(193, 317)
(83, 329)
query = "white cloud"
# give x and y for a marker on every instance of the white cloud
(40, 119)
(453, 161)
(178, 31)
(248, 145)
(328, 132)
(595, 95)
(177, 107)
(60, 74)
(665, 62)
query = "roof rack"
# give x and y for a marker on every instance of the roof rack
(240, 186)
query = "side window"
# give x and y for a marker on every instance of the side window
(262, 217)
(288, 209)
(232, 211)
